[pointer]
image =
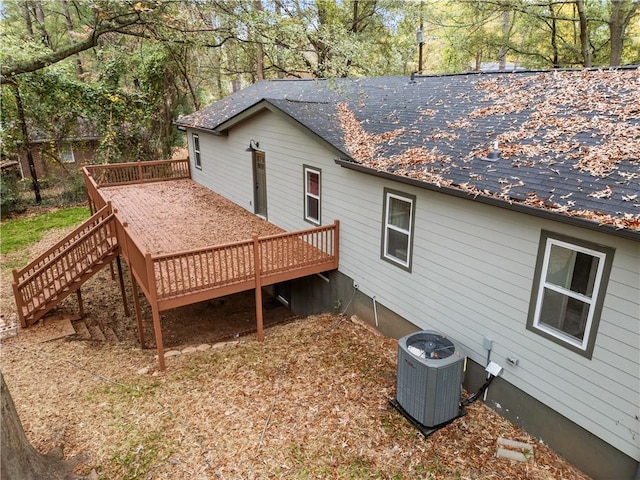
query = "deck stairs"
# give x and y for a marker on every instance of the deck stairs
(60, 271)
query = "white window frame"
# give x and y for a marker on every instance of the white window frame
(594, 301)
(308, 195)
(66, 157)
(195, 138)
(387, 226)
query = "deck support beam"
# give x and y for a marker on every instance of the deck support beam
(156, 326)
(136, 306)
(80, 304)
(123, 292)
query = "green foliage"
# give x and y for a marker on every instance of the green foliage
(74, 190)
(10, 198)
(21, 232)
(157, 60)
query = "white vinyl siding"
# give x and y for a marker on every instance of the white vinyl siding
(312, 195)
(566, 301)
(472, 271)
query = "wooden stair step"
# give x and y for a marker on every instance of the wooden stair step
(110, 335)
(96, 333)
(81, 330)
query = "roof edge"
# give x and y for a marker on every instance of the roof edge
(495, 202)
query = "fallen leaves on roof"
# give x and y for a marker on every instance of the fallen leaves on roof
(563, 105)
(547, 124)
(361, 144)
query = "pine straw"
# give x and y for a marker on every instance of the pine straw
(309, 402)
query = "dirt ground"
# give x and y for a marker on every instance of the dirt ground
(311, 401)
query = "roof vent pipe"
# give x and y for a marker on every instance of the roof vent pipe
(494, 153)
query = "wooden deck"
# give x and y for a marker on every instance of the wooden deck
(185, 244)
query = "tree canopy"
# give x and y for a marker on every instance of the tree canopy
(132, 67)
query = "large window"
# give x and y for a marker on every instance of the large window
(196, 150)
(397, 236)
(569, 287)
(312, 195)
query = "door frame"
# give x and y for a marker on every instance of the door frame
(259, 184)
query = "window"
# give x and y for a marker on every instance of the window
(66, 153)
(196, 150)
(569, 287)
(397, 236)
(312, 195)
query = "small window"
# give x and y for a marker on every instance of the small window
(66, 153)
(397, 236)
(196, 150)
(569, 287)
(312, 195)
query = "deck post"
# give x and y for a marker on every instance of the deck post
(256, 268)
(123, 292)
(155, 309)
(80, 304)
(18, 297)
(136, 306)
(139, 171)
(156, 326)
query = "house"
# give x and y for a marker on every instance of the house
(502, 210)
(61, 151)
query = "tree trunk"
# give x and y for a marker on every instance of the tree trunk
(502, 56)
(27, 144)
(354, 23)
(622, 11)
(279, 44)
(46, 39)
(67, 16)
(585, 47)
(27, 19)
(554, 38)
(257, 4)
(19, 460)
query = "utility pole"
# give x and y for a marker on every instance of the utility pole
(420, 40)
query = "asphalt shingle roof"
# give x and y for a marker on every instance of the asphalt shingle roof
(569, 141)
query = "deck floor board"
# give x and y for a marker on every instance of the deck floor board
(178, 215)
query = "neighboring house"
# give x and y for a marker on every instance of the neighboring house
(502, 210)
(54, 153)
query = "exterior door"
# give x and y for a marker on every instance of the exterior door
(260, 184)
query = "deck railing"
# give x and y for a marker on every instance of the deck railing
(207, 268)
(138, 172)
(285, 251)
(186, 277)
(61, 269)
(188, 272)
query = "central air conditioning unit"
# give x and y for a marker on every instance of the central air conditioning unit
(430, 374)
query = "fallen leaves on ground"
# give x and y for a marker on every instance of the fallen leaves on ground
(311, 401)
